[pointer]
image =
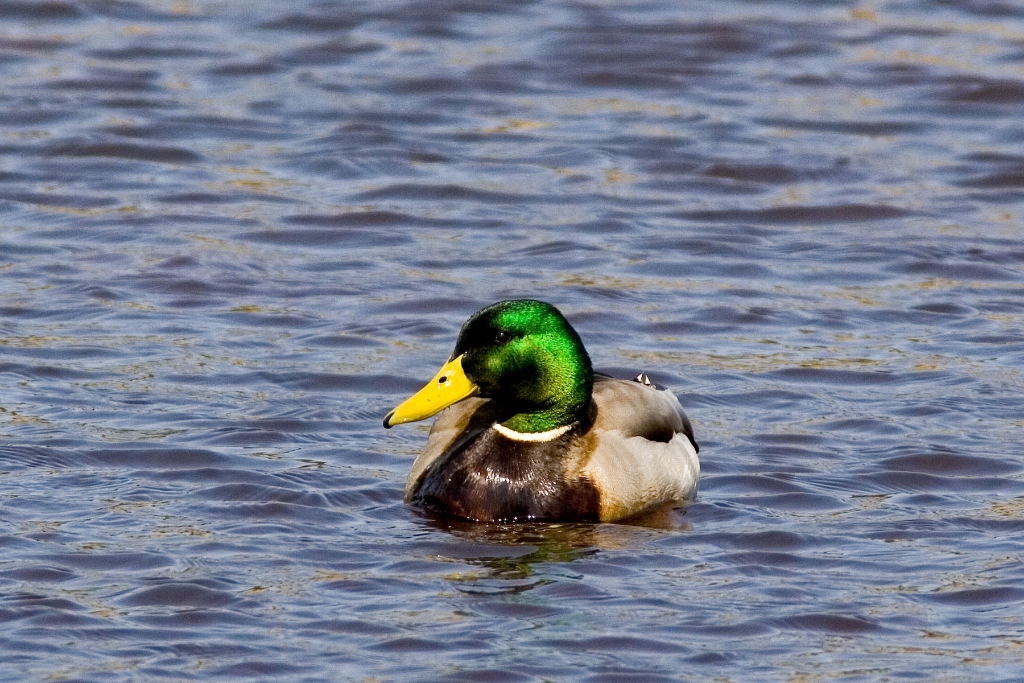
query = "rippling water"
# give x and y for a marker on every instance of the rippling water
(232, 235)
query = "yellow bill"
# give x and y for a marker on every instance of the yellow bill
(450, 385)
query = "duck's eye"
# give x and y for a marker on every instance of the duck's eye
(503, 337)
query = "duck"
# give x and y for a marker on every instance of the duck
(527, 431)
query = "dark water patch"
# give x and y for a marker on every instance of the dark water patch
(244, 69)
(997, 197)
(1002, 527)
(329, 19)
(486, 676)
(956, 271)
(618, 675)
(367, 586)
(412, 644)
(33, 44)
(614, 54)
(920, 411)
(708, 185)
(830, 376)
(986, 8)
(122, 562)
(248, 670)
(42, 574)
(1006, 179)
(712, 658)
(44, 371)
(158, 458)
(163, 155)
(772, 174)
(940, 462)
(946, 308)
(329, 52)
(432, 85)
(178, 594)
(608, 644)
(211, 198)
(30, 600)
(973, 90)
(105, 84)
(869, 426)
(66, 201)
(343, 340)
(555, 247)
(869, 128)
(136, 103)
(291, 321)
(446, 192)
(997, 339)
(993, 157)
(519, 610)
(247, 437)
(191, 129)
(839, 624)
(190, 618)
(355, 627)
(176, 262)
(843, 213)
(47, 10)
(144, 51)
(356, 136)
(172, 284)
(919, 481)
(976, 597)
(727, 245)
(763, 540)
(361, 219)
(333, 237)
(31, 117)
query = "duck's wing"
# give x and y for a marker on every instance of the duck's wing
(453, 426)
(638, 409)
(640, 452)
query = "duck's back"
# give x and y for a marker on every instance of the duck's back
(644, 454)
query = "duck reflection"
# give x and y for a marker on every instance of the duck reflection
(519, 557)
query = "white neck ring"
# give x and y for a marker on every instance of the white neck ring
(549, 435)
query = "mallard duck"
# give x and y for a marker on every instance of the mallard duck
(527, 431)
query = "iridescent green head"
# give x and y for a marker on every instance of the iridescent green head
(525, 356)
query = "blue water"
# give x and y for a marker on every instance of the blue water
(233, 235)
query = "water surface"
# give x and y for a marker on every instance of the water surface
(233, 235)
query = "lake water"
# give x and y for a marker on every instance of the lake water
(234, 234)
